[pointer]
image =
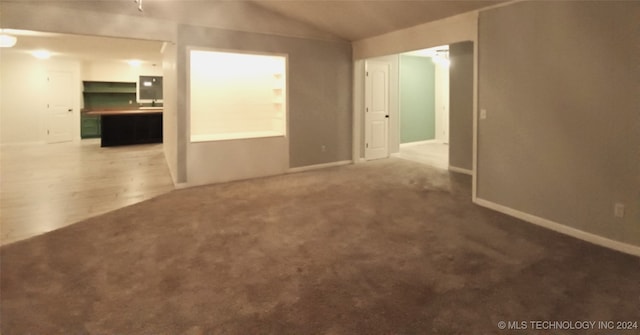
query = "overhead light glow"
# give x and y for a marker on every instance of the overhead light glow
(7, 41)
(440, 60)
(41, 54)
(135, 62)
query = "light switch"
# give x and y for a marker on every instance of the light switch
(618, 210)
(483, 114)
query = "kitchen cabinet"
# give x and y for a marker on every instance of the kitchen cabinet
(90, 126)
(126, 127)
(108, 95)
(111, 112)
(103, 95)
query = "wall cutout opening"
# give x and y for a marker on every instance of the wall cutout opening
(237, 95)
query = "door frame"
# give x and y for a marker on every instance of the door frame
(442, 110)
(359, 103)
(358, 140)
(369, 97)
(73, 94)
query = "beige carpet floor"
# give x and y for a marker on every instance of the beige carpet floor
(386, 247)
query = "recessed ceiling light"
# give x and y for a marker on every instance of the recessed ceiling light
(41, 54)
(7, 41)
(135, 62)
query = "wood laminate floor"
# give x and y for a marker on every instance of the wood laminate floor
(48, 186)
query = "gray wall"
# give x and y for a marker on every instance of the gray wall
(417, 99)
(559, 81)
(319, 88)
(461, 105)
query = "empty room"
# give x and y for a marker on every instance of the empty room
(245, 174)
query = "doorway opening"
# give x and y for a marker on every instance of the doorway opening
(424, 106)
(54, 171)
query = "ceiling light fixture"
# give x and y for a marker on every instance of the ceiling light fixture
(7, 41)
(135, 62)
(41, 54)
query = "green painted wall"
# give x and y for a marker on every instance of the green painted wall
(417, 99)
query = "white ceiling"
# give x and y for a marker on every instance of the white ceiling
(86, 48)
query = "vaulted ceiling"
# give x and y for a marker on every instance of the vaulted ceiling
(349, 20)
(354, 19)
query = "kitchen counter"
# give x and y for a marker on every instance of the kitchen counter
(123, 111)
(129, 126)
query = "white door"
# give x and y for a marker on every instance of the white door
(60, 98)
(376, 117)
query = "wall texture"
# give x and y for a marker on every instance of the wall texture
(559, 81)
(417, 99)
(461, 105)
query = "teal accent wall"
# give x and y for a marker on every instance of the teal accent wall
(417, 99)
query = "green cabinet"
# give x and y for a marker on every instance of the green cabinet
(90, 126)
(100, 95)
(104, 95)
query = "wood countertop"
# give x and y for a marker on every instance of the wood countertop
(123, 111)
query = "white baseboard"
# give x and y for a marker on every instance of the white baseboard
(179, 186)
(318, 166)
(410, 144)
(460, 170)
(563, 229)
(22, 144)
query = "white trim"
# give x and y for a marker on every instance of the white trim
(22, 144)
(179, 186)
(318, 166)
(476, 94)
(410, 144)
(563, 229)
(358, 108)
(460, 170)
